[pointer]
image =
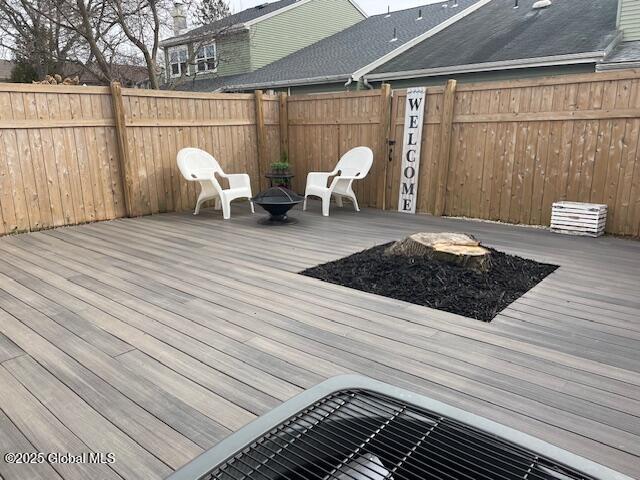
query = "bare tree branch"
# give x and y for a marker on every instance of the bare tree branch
(99, 36)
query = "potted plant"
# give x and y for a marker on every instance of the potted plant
(281, 172)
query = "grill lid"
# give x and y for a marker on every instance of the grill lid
(277, 196)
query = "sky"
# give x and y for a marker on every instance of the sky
(372, 7)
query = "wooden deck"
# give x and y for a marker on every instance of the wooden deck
(154, 338)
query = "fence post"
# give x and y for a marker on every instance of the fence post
(284, 124)
(385, 124)
(123, 151)
(444, 159)
(261, 133)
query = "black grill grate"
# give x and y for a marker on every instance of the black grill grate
(360, 435)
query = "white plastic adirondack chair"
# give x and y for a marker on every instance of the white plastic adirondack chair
(354, 165)
(198, 166)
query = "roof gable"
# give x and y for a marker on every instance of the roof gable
(342, 54)
(245, 18)
(240, 18)
(297, 3)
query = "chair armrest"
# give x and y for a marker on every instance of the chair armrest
(340, 178)
(318, 179)
(347, 177)
(237, 180)
(201, 174)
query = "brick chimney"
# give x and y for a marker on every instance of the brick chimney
(179, 18)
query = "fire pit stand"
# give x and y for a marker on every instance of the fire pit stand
(277, 201)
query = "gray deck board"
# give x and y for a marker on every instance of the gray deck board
(168, 332)
(12, 439)
(8, 349)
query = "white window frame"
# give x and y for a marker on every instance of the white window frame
(179, 49)
(206, 59)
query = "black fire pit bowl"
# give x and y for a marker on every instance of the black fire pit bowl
(277, 201)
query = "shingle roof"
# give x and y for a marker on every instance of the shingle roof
(236, 19)
(498, 32)
(342, 54)
(625, 55)
(196, 84)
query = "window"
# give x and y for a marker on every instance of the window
(206, 58)
(178, 61)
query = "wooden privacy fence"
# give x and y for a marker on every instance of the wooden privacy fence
(59, 161)
(156, 125)
(516, 147)
(71, 155)
(323, 127)
(499, 151)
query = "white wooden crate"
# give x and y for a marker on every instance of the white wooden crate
(579, 218)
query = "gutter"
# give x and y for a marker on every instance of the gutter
(603, 67)
(586, 57)
(291, 83)
(185, 38)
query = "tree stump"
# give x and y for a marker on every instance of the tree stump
(456, 248)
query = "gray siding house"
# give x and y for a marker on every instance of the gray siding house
(253, 38)
(473, 40)
(629, 19)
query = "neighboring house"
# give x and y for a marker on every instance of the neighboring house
(335, 61)
(480, 40)
(499, 41)
(6, 67)
(248, 40)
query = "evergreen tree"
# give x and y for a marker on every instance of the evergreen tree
(211, 10)
(24, 72)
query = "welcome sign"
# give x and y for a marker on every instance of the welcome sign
(413, 121)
